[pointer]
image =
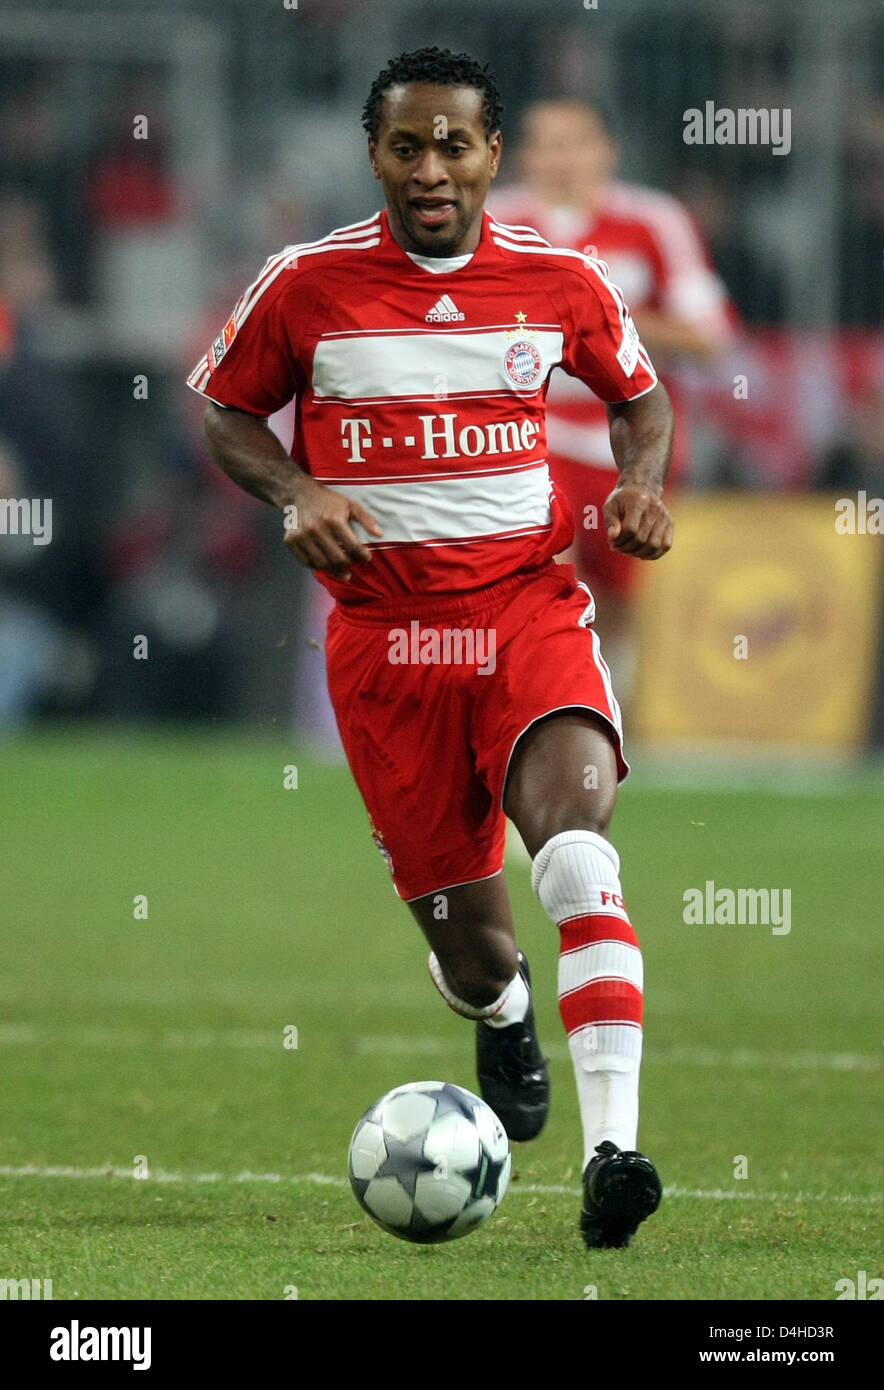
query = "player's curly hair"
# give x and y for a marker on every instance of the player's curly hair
(442, 68)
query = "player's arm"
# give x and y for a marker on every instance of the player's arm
(602, 347)
(317, 528)
(691, 315)
(636, 517)
(667, 333)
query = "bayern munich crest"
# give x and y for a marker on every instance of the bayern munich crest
(523, 363)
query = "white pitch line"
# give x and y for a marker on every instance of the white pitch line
(416, 1046)
(718, 1194)
(161, 1175)
(740, 1058)
(143, 1039)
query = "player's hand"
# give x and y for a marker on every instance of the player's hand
(318, 530)
(638, 522)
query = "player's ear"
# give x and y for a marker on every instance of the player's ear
(372, 151)
(495, 145)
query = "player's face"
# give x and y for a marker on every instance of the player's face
(566, 153)
(436, 165)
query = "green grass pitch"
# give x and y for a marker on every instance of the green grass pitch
(160, 1042)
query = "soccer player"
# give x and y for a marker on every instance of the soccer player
(568, 191)
(462, 664)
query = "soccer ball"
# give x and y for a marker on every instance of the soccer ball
(429, 1162)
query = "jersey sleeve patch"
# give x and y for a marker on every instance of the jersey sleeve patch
(627, 355)
(222, 342)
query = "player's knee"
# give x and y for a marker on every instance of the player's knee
(477, 983)
(557, 820)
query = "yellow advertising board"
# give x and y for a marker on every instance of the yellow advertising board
(761, 625)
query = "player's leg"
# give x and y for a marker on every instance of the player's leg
(435, 821)
(560, 792)
(471, 933)
(563, 776)
(478, 970)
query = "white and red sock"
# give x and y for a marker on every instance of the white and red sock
(576, 877)
(510, 1007)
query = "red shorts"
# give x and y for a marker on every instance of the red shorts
(606, 571)
(429, 737)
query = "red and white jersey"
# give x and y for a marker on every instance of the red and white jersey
(423, 395)
(655, 255)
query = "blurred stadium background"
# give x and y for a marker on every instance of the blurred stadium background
(120, 257)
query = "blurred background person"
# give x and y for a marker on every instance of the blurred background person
(565, 162)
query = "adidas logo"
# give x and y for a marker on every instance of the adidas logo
(445, 311)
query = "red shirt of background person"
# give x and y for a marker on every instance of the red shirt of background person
(655, 255)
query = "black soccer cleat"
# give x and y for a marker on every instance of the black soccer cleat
(620, 1190)
(513, 1077)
